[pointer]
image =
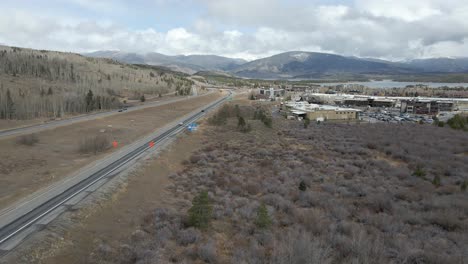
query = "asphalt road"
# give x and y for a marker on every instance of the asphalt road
(24, 215)
(68, 121)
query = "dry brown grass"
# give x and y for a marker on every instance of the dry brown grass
(25, 169)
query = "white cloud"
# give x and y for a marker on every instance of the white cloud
(396, 29)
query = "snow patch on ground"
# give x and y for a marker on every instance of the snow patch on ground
(300, 56)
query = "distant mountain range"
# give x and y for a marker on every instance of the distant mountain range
(188, 64)
(291, 65)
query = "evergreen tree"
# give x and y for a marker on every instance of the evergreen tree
(436, 181)
(464, 185)
(242, 125)
(10, 105)
(263, 219)
(201, 211)
(302, 186)
(89, 101)
(241, 122)
(142, 98)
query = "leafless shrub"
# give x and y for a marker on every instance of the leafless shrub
(208, 252)
(195, 158)
(407, 195)
(313, 220)
(27, 140)
(297, 247)
(138, 235)
(252, 188)
(446, 220)
(252, 254)
(380, 203)
(248, 211)
(126, 254)
(94, 144)
(188, 236)
(104, 252)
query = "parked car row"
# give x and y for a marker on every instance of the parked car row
(394, 117)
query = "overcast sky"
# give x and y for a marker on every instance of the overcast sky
(249, 29)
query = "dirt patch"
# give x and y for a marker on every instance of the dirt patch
(25, 169)
(391, 161)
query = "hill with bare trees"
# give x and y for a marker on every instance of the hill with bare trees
(48, 84)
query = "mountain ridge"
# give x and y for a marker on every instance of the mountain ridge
(291, 65)
(185, 63)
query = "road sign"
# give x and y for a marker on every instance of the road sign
(192, 127)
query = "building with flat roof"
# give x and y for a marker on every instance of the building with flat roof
(321, 112)
(372, 102)
(272, 93)
(425, 107)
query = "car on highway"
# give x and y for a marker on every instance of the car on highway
(203, 110)
(120, 110)
(181, 123)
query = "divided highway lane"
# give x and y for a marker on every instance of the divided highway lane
(17, 219)
(68, 121)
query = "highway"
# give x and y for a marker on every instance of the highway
(19, 220)
(81, 118)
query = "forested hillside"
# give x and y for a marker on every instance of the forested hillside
(36, 84)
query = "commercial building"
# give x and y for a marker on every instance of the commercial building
(425, 107)
(272, 93)
(321, 112)
(439, 104)
(372, 102)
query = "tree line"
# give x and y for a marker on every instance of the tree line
(35, 84)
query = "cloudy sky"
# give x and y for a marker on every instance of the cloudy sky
(250, 29)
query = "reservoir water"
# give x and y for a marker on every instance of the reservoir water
(394, 84)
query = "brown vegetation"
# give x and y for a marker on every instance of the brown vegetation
(94, 144)
(36, 84)
(27, 140)
(333, 193)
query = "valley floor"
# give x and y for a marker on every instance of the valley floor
(333, 193)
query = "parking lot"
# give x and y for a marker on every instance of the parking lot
(392, 116)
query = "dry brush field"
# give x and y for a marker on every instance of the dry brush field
(329, 193)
